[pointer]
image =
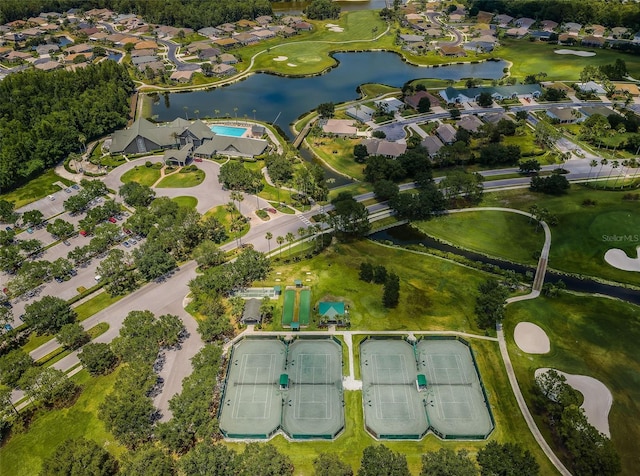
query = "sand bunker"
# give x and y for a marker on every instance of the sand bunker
(619, 259)
(281, 58)
(336, 29)
(531, 338)
(292, 65)
(574, 52)
(597, 399)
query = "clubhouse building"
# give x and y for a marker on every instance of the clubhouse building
(182, 140)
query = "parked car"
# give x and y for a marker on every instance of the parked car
(30, 231)
(75, 186)
(8, 228)
(68, 190)
(52, 198)
(8, 327)
(83, 233)
(97, 277)
(133, 242)
(66, 243)
(58, 279)
(112, 219)
(126, 244)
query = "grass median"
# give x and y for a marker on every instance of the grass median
(35, 189)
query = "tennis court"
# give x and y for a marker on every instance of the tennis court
(393, 408)
(257, 293)
(255, 405)
(289, 305)
(304, 310)
(456, 402)
(314, 407)
(252, 398)
(453, 404)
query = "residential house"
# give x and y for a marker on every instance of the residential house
(563, 115)
(48, 65)
(223, 69)
(227, 58)
(630, 88)
(480, 46)
(17, 56)
(591, 87)
(470, 123)
(179, 156)
(548, 25)
(138, 53)
(196, 46)
(503, 20)
(458, 96)
(264, 33)
(593, 110)
(450, 50)
(446, 133)
(409, 39)
(156, 66)
(146, 45)
(290, 20)
(384, 147)
(49, 28)
(591, 40)
(495, 117)
(432, 144)
(78, 57)
(31, 32)
(246, 23)
(89, 31)
(209, 54)
(226, 42)
(360, 113)
(619, 31)
(596, 30)
(227, 27)
(181, 76)
(390, 105)
(140, 60)
(566, 39)
(433, 32)
(264, 20)
(340, 127)
(210, 32)
(101, 35)
(81, 48)
(303, 26)
(524, 22)
(572, 28)
(541, 35)
(47, 49)
(413, 100)
(484, 17)
(517, 32)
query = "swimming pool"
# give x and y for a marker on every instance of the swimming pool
(228, 130)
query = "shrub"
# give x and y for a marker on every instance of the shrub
(147, 163)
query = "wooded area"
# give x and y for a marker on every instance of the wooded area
(180, 13)
(600, 12)
(46, 115)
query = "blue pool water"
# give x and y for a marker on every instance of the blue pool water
(228, 131)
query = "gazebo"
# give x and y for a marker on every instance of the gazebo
(331, 310)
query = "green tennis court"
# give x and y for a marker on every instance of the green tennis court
(453, 405)
(288, 308)
(309, 404)
(304, 310)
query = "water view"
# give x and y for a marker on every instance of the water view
(282, 100)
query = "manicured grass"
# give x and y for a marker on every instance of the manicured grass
(35, 189)
(372, 90)
(354, 439)
(501, 234)
(95, 305)
(224, 217)
(589, 336)
(182, 180)
(434, 294)
(582, 237)
(357, 188)
(141, 174)
(25, 452)
(338, 153)
(535, 57)
(186, 201)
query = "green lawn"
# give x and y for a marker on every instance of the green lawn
(582, 237)
(372, 90)
(182, 180)
(24, 453)
(36, 189)
(535, 57)
(95, 305)
(141, 174)
(186, 201)
(589, 336)
(338, 153)
(501, 234)
(434, 294)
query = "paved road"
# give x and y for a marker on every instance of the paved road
(172, 49)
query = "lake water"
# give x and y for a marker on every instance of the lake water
(285, 99)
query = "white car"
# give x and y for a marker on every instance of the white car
(98, 277)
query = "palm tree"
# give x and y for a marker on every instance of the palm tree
(197, 113)
(290, 239)
(216, 112)
(238, 197)
(614, 165)
(624, 164)
(254, 114)
(603, 162)
(235, 111)
(302, 232)
(280, 240)
(186, 114)
(231, 208)
(592, 164)
(269, 237)
(83, 140)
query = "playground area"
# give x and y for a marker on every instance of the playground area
(433, 384)
(274, 385)
(296, 311)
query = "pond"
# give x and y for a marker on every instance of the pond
(114, 56)
(406, 235)
(282, 100)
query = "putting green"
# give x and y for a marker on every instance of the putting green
(614, 224)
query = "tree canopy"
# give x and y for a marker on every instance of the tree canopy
(55, 109)
(80, 457)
